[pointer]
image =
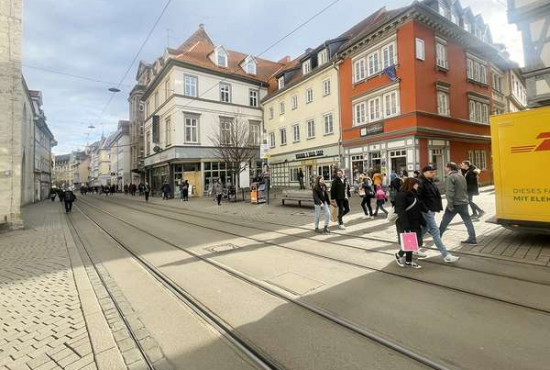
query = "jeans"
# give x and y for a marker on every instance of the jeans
(462, 210)
(219, 198)
(68, 206)
(432, 228)
(343, 209)
(326, 209)
(366, 202)
(475, 207)
(380, 205)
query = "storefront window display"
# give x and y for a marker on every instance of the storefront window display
(159, 175)
(398, 161)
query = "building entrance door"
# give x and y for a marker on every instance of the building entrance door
(398, 161)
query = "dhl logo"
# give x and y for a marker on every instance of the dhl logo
(545, 145)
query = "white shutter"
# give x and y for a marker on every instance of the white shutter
(420, 51)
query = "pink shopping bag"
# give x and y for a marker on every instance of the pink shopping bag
(409, 242)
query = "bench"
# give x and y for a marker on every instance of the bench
(300, 196)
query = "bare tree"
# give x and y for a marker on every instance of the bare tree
(237, 143)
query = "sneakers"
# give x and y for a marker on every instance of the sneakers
(317, 230)
(400, 260)
(326, 230)
(449, 258)
(341, 227)
(413, 265)
(469, 242)
(420, 254)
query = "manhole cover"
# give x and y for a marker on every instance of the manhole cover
(222, 248)
(300, 214)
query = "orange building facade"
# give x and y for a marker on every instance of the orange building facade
(416, 89)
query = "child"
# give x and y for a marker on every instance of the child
(381, 198)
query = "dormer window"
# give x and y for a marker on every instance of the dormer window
(322, 57)
(306, 67)
(467, 26)
(444, 9)
(281, 82)
(249, 65)
(221, 57)
(454, 17)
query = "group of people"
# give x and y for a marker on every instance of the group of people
(415, 200)
(66, 196)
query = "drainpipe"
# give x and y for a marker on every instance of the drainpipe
(336, 66)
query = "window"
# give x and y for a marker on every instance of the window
(271, 113)
(476, 71)
(250, 66)
(374, 109)
(326, 87)
(441, 55)
(467, 26)
(282, 132)
(294, 102)
(478, 158)
(306, 67)
(483, 74)
(360, 113)
(359, 70)
(420, 50)
(190, 88)
(168, 132)
(294, 174)
(281, 107)
(388, 55)
(167, 90)
(148, 143)
(374, 65)
(254, 136)
(322, 57)
(222, 57)
(281, 82)
(310, 124)
(309, 95)
(470, 69)
(296, 133)
(191, 130)
(454, 17)
(225, 92)
(253, 94)
(497, 81)
(226, 131)
(156, 100)
(444, 9)
(326, 171)
(479, 111)
(443, 103)
(272, 140)
(390, 104)
(328, 123)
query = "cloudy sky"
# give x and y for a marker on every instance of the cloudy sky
(97, 39)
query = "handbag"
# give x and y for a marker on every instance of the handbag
(333, 213)
(361, 192)
(393, 216)
(408, 241)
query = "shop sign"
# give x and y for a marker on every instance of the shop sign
(315, 153)
(372, 129)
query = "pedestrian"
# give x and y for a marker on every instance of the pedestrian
(61, 194)
(53, 193)
(471, 173)
(456, 190)
(409, 219)
(377, 177)
(166, 190)
(125, 189)
(142, 188)
(321, 201)
(367, 191)
(146, 190)
(429, 194)
(301, 179)
(395, 185)
(182, 194)
(217, 190)
(186, 190)
(340, 194)
(381, 199)
(113, 189)
(69, 198)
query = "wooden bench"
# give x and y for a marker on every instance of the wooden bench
(299, 196)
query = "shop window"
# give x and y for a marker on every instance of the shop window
(326, 171)
(294, 174)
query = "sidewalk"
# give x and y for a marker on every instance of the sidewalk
(494, 240)
(50, 317)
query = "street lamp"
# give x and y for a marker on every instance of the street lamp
(114, 89)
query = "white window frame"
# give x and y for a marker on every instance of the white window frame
(294, 102)
(420, 49)
(326, 87)
(220, 53)
(310, 128)
(441, 55)
(306, 67)
(322, 57)
(191, 124)
(373, 61)
(443, 103)
(309, 95)
(296, 133)
(281, 107)
(281, 82)
(328, 120)
(226, 131)
(374, 106)
(482, 74)
(282, 135)
(394, 99)
(389, 55)
(359, 70)
(272, 139)
(255, 133)
(168, 131)
(360, 113)
(190, 86)
(225, 92)
(253, 96)
(249, 65)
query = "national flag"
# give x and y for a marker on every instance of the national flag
(390, 72)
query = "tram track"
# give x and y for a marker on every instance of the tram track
(278, 293)
(349, 263)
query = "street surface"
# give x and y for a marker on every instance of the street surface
(121, 284)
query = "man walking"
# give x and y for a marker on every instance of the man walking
(471, 173)
(218, 191)
(146, 190)
(429, 194)
(69, 198)
(457, 202)
(301, 179)
(340, 194)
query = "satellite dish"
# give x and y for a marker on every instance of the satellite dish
(157, 149)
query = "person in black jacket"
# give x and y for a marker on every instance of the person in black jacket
(471, 173)
(340, 194)
(321, 200)
(368, 194)
(429, 194)
(69, 198)
(409, 211)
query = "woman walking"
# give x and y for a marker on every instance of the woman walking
(218, 191)
(367, 192)
(381, 198)
(409, 211)
(321, 201)
(186, 190)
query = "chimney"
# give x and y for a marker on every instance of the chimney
(285, 60)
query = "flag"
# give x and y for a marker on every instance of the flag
(390, 72)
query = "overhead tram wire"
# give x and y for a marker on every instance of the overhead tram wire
(71, 75)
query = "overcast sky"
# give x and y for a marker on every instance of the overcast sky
(98, 39)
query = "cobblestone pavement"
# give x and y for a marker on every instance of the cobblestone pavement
(43, 324)
(494, 240)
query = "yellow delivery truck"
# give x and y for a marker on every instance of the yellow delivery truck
(521, 161)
